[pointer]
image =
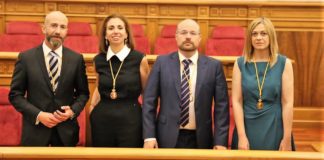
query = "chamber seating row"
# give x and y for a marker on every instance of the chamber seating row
(224, 41)
(20, 35)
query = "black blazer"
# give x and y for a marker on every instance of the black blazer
(164, 83)
(31, 93)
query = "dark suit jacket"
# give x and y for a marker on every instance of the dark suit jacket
(164, 83)
(31, 93)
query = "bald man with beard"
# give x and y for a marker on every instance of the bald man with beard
(186, 83)
(49, 88)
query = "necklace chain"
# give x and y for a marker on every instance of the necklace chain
(257, 75)
(114, 77)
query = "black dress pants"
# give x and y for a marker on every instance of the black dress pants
(55, 140)
(186, 139)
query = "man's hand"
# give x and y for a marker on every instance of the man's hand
(151, 144)
(65, 114)
(48, 119)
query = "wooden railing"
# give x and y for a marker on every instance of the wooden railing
(153, 154)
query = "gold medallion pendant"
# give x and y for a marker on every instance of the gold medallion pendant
(113, 94)
(260, 104)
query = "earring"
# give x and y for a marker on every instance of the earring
(106, 42)
(126, 41)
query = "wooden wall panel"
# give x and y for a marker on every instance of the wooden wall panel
(76, 8)
(2, 6)
(2, 21)
(128, 9)
(50, 6)
(19, 6)
(203, 11)
(2, 24)
(306, 48)
(36, 18)
(254, 12)
(6, 67)
(293, 13)
(178, 10)
(6, 70)
(228, 12)
(319, 82)
(303, 26)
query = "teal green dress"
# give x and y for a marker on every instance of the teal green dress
(264, 127)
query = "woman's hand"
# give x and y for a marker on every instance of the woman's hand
(243, 143)
(285, 144)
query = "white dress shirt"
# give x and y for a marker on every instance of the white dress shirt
(193, 79)
(47, 56)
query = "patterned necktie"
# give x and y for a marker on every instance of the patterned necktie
(53, 69)
(185, 93)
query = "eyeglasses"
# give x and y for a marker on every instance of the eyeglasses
(184, 33)
(262, 34)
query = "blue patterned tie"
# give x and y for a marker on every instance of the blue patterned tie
(53, 69)
(185, 93)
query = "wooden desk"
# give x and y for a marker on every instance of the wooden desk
(318, 146)
(155, 154)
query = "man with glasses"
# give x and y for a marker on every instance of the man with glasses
(50, 88)
(186, 84)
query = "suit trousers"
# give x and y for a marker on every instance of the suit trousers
(186, 139)
(55, 140)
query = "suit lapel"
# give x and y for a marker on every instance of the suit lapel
(65, 60)
(175, 70)
(41, 61)
(201, 75)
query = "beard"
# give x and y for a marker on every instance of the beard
(54, 42)
(183, 46)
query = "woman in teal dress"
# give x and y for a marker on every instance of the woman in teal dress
(262, 92)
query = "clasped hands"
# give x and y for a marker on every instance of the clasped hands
(50, 120)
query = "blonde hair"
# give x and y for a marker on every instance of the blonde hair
(273, 43)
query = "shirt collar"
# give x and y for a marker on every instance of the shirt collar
(47, 50)
(122, 54)
(193, 58)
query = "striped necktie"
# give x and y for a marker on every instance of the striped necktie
(185, 93)
(53, 69)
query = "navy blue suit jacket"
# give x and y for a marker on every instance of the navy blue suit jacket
(164, 83)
